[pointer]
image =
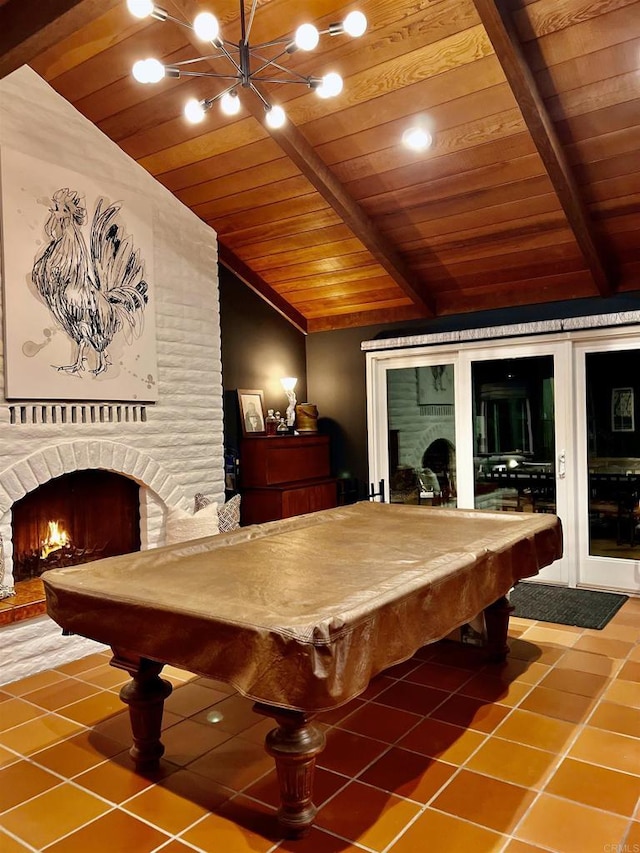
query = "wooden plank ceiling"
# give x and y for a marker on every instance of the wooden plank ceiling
(530, 192)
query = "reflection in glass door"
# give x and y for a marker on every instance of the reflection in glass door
(514, 443)
(421, 435)
(611, 412)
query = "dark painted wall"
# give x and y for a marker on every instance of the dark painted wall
(258, 348)
(337, 385)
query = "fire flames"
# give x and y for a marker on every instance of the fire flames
(57, 537)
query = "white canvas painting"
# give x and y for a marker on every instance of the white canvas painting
(79, 310)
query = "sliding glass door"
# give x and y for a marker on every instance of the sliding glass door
(421, 434)
(608, 482)
(546, 423)
(519, 400)
(514, 436)
(477, 428)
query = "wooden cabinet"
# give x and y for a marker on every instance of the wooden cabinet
(282, 477)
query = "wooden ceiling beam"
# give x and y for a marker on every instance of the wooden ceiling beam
(29, 27)
(315, 170)
(357, 319)
(498, 24)
(259, 286)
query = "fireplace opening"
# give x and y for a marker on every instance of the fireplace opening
(440, 458)
(73, 519)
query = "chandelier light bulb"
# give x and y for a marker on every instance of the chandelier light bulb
(148, 71)
(194, 111)
(331, 85)
(306, 37)
(139, 71)
(417, 138)
(154, 70)
(206, 26)
(275, 117)
(140, 8)
(355, 24)
(230, 104)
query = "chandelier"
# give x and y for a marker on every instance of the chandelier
(250, 64)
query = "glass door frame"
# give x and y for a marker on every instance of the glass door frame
(462, 357)
(559, 348)
(377, 403)
(594, 571)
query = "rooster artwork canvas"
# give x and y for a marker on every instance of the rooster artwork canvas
(93, 291)
(78, 281)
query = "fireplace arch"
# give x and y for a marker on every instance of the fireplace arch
(158, 488)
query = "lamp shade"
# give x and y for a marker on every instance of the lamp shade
(288, 382)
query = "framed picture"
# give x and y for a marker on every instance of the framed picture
(622, 414)
(251, 412)
(87, 333)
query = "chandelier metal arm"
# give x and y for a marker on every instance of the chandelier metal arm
(272, 43)
(293, 76)
(256, 91)
(308, 80)
(332, 30)
(192, 61)
(160, 14)
(210, 101)
(265, 61)
(209, 74)
(227, 55)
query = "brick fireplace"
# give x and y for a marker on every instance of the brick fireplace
(171, 448)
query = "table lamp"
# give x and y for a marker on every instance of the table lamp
(289, 383)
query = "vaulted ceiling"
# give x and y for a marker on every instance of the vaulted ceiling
(530, 192)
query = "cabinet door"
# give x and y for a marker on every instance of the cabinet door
(310, 498)
(295, 502)
(323, 496)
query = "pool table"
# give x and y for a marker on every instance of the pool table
(299, 614)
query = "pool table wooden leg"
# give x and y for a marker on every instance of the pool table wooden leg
(496, 620)
(294, 745)
(145, 696)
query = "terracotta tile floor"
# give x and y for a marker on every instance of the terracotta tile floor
(440, 754)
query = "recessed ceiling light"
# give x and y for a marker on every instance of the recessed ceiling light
(417, 138)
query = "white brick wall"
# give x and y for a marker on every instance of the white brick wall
(416, 432)
(178, 450)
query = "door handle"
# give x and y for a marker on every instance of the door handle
(562, 465)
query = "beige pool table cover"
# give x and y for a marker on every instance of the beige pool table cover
(302, 613)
